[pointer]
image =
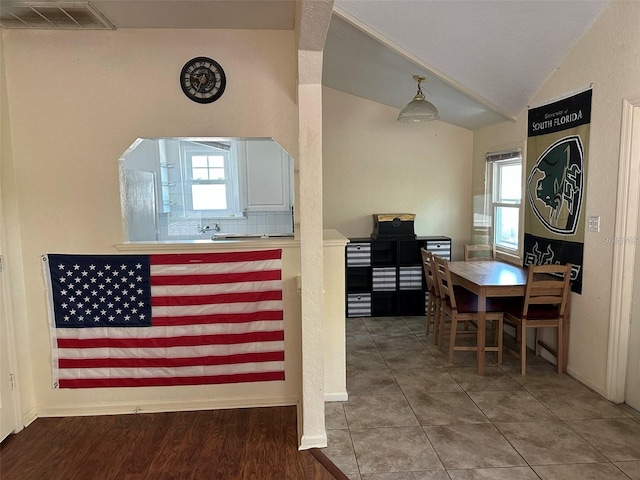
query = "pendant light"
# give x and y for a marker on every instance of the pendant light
(418, 109)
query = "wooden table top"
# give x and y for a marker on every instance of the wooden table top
(490, 273)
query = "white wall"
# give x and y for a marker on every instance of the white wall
(72, 116)
(606, 56)
(373, 164)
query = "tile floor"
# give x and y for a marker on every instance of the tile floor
(412, 415)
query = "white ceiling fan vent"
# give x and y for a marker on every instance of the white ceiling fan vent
(53, 15)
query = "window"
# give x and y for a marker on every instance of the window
(211, 184)
(505, 181)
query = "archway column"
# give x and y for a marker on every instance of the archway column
(313, 17)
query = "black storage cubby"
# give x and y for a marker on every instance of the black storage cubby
(409, 252)
(410, 302)
(384, 252)
(385, 277)
(359, 280)
(383, 304)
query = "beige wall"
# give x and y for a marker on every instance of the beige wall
(373, 164)
(606, 56)
(18, 330)
(72, 116)
(333, 314)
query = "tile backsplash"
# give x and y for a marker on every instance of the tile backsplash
(255, 222)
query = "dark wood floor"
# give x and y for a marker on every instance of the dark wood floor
(256, 443)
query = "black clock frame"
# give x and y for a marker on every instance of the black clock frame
(209, 74)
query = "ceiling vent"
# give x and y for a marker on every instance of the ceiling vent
(52, 15)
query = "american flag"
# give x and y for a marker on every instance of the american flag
(166, 319)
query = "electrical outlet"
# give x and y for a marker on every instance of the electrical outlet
(594, 223)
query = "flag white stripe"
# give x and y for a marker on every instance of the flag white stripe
(177, 372)
(169, 332)
(212, 289)
(215, 309)
(216, 268)
(172, 352)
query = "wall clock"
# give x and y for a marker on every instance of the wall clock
(203, 80)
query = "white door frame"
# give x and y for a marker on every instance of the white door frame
(8, 343)
(624, 250)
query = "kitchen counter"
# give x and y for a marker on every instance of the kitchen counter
(330, 237)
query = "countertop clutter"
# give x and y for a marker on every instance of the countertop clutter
(249, 236)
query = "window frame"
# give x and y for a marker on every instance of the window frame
(495, 162)
(190, 149)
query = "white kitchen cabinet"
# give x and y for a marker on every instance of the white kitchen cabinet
(267, 176)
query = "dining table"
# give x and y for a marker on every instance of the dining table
(488, 279)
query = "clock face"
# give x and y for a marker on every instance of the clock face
(203, 80)
(396, 222)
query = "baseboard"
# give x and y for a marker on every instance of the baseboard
(299, 421)
(313, 441)
(29, 417)
(80, 410)
(336, 397)
(582, 379)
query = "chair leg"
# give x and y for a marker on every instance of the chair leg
(560, 348)
(443, 316)
(428, 314)
(523, 350)
(452, 341)
(436, 322)
(499, 334)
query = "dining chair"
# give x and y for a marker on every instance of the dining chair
(543, 306)
(461, 305)
(433, 302)
(479, 252)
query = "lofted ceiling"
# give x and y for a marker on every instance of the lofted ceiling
(495, 54)
(484, 59)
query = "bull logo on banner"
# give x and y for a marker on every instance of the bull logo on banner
(554, 186)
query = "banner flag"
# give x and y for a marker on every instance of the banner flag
(556, 172)
(166, 319)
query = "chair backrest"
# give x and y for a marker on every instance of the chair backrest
(436, 286)
(547, 291)
(428, 262)
(445, 285)
(428, 269)
(479, 252)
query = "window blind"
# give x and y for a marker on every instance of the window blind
(500, 156)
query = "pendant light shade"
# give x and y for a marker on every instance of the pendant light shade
(418, 109)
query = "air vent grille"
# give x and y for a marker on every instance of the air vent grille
(62, 16)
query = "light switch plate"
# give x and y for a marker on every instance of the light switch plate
(594, 223)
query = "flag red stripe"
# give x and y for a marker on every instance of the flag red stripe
(227, 257)
(170, 362)
(157, 279)
(264, 315)
(228, 339)
(159, 382)
(241, 297)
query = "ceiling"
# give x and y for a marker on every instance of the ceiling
(484, 59)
